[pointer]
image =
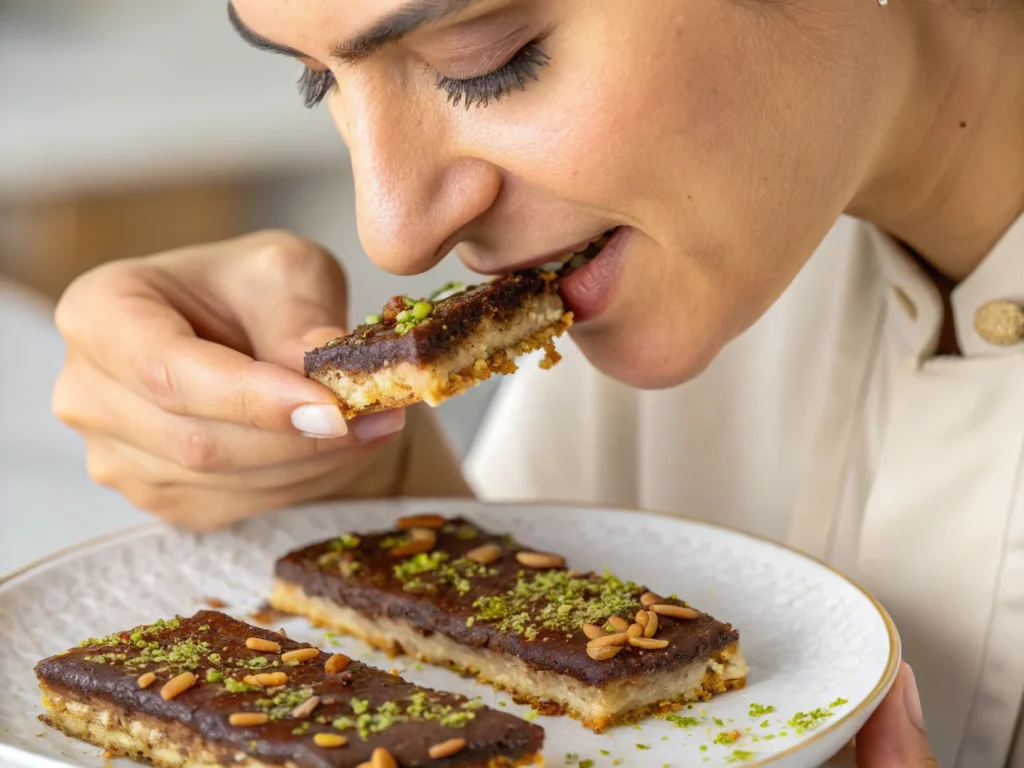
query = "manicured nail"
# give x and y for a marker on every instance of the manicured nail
(912, 699)
(319, 421)
(376, 425)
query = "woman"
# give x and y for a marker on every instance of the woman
(872, 416)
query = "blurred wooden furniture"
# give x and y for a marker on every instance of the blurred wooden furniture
(45, 244)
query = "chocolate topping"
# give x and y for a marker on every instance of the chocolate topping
(370, 347)
(458, 600)
(369, 707)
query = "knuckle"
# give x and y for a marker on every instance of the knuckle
(283, 254)
(197, 451)
(157, 380)
(73, 310)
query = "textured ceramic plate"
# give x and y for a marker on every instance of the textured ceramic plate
(815, 642)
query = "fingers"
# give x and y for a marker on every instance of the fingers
(127, 329)
(894, 736)
(91, 401)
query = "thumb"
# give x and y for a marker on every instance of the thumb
(286, 332)
(894, 736)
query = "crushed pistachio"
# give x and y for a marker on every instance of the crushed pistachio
(530, 716)
(256, 662)
(764, 723)
(808, 721)
(282, 704)
(838, 703)
(214, 676)
(236, 686)
(186, 654)
(759, 710)
(683, 722)
(457, 573)
(303, 727)
(727, 737)
(345, 542)
(367, 719)
(604, 752)
(136, 636)
(446, 290)
(556, 601)
(718, 721)
(641, 747)
(463, 531)
(739, 756)
(372, 319)
(586, 764)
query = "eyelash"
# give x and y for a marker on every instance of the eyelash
(314, 85)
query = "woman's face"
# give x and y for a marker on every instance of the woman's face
(721, 137)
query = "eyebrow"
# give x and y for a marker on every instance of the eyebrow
(257, 40)
(390, 29)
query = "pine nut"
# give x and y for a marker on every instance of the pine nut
(619, 623)
(484, 554)
(415, 546)
(300, 654)
(246, 719)
(423, 534)
(419, 521)
(540, 560)
(593, 631)
(651, 628)
(330, 741)
(259, 644)
(146, 680)
(647, 599)
(675, 611)
(604, 653)
(337, 663)
(177, 686)
(649, 643)
(641, 618)
(618, 639)
(305, 709)
(381, 758)
(447, 748)
(634, 630)
(268, 679)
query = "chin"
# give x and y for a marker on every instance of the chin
(652, 359)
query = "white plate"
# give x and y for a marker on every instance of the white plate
(810, 636)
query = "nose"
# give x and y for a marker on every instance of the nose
(415, 191)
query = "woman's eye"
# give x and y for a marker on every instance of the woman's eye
(314, 85)
(494, 86)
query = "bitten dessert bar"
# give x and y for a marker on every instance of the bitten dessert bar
(212, 691)
(603, 650)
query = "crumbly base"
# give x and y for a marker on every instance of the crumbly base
(490, 350)
(597, 707)
(168, 745)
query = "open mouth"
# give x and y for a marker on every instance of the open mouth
(573, 261)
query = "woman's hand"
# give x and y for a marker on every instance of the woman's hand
(894, 736)
(184, 376)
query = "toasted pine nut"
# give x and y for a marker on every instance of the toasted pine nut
(146, 680)
(300, 654)
(420, 521)
(427, 534)
(245, 719)
(250, 680)
(447, 748)
(177, 685)
(330, 741)
(259, 644)
(617, 639)
(540, 560)
(485, 554)
(647, 599)
(593, 631)
(651, 628)
(305, 709)
(381, 758)
(366, 764)
(269, 679)
(675, 611)
(634, 630)
(620, 624)
(603, 653)
(641, 618)
(415, 546)
(647, 642)
(394, 672)
(336, 663)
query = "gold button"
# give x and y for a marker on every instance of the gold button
(1000, 323)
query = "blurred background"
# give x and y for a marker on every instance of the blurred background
(128, 128)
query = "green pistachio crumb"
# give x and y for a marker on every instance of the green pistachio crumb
(760, 710)
(641, 747)
(838, 703)
(740, 756)
(214, 676)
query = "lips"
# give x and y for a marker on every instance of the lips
(577, 258)
(587, 283)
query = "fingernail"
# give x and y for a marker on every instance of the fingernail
(912, 699)
(376, 425)
(319, 421)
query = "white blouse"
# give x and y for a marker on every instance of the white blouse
(831, 425)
